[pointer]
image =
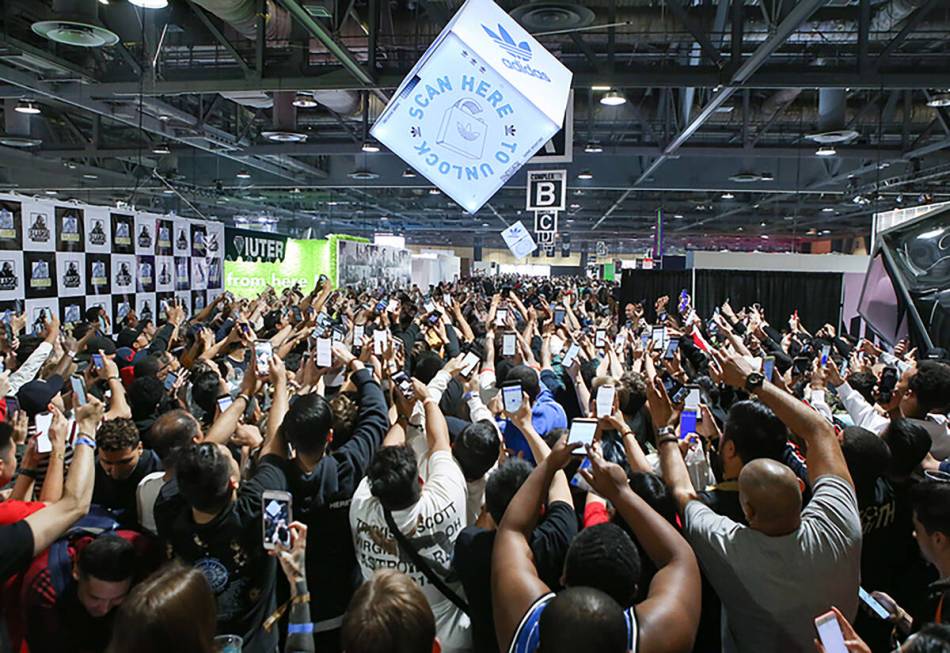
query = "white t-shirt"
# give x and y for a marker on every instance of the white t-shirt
(431, 526)
(145, 495)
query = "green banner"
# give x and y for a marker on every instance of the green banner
(304, 262)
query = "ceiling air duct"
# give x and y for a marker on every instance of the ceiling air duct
(76, 23)
(552, 16)
(16, 127)
(284, 120)
(831, 116)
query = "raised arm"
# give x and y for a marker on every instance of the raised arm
(669, 616)
(223, 427)
(51, 522)
(515, 585)
(437, 431)
(824, 454)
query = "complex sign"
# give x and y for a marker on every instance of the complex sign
(479, 103)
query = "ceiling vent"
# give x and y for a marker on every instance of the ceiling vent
(76, 23)
(552, 16)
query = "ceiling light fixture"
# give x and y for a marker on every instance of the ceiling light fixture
(408, 173)
(168, 191)
(161, 148)
(370, 147)
(828, 209)
(600, 87)
(434, 191)
(90, 175)
(149, 4)
(826, 150)
(939, 100)
(585, 175)
(284, 136)
(27, 107)
(728, 196)
(50, 192)
(613, 99)
(243, 174)
(593, 148)
(304, 101)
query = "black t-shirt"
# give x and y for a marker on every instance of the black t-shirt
(67, 627)
(723, 499)
(119, 494)
(229, 552)
(16, 548)
(472, 564)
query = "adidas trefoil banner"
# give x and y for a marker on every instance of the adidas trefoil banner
(477, 106)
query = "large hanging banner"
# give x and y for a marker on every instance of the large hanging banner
(248, 245)
(66, 257)
(477, 106)
(303, 263)
(365, 265)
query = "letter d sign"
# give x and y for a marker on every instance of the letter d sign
(547, 190)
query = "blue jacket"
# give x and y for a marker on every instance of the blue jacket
(546, 415)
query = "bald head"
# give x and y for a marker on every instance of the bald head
(771, 497)
(172, 431)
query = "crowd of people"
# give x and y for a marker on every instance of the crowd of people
(495, 464)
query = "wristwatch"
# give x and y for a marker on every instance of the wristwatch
(666, 434)
(754, 381)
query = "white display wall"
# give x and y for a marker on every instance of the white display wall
(69, 256)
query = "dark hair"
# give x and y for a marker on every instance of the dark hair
(307, 424)
(108, 558)
(931, 502)
(117, 435)
(651, 488)
(171, 610)
(388, 614)
(6, 437)
(147, 366)
(393, 477)
(909, 443)
(426, 365)
(171, 432)
(932, 638)
(205, 388)
(503, 484)
(604, 556)
(528, 379)
(476, 448)
(867, 456)
(863, 383)
(345, 411)
(582, 619)
(931, 385)
(755, 431)
(635, 387)
(203, 471)
(145, 395)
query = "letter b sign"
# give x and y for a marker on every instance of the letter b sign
(547, 190)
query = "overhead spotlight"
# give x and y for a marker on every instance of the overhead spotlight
(600, 87)
(149, 4)
(613, 99)
(939, 100)
(161, 148)
(764, 236)
(90, 175)
(164, 117)
(50, 192)
(370, 147)
(766, 176)
(585, 175)
(434, 191)
(408, 173)
(728, 196)
(295, 191)
(304, 101)
(678, 216)
(828, 209)
(575, 206)
(826, 150)
(593, 148)
(484, 224)
(168, 191)
(27, 107)
(243, 174)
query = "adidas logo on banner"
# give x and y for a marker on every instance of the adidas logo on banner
(505, 42)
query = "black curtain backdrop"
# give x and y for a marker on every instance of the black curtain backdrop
(652, 284)
(816, 295)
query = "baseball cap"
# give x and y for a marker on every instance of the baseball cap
(34, 397)
(127, 336)
(95, 343)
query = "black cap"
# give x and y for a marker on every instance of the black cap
(95, 343)
(127, 336)
(34, 397)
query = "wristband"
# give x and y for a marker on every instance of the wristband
(300, 629)
(82, 439)
(71, 353)
(30, 473)
(243, 396)
(115, 378)
(468, 395)
(667, 438)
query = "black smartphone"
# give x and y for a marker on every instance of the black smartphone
(885, 389)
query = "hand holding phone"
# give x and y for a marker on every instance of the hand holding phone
(605, 400)
(829, 631)
(79, 390)
(276, 516)
(508, 344)
(583, 430)
(264, 350)
(324, 356)
(43, 423)
(512, 397)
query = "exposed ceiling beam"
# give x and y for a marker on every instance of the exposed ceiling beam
(795, 18)
(775, 77)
